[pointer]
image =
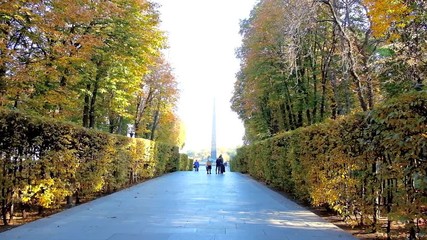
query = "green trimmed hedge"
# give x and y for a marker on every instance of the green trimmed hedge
(364, 166)
(185, 164)
(43, 162)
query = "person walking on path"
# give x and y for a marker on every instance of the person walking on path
(196, 166)
(208, 167)
(217, 166)
(222, 164)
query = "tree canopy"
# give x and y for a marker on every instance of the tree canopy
(309, 60)
(86, 62)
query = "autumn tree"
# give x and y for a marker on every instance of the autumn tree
(122, 60)
(305, 61)
(19, 47)
(170, 129)
(82, 61)
(287, 79)
(400, 24)
(88, 62)
(271, 93)
(156, 100)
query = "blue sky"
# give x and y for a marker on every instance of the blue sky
(203, 36)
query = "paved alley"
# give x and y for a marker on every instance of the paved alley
(185, 206)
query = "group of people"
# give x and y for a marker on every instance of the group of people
(220, 167)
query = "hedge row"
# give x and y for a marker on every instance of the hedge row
(186, 163)
(364, 166)
(43, 162)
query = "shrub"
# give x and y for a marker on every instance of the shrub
(44, 161)
(365, 165)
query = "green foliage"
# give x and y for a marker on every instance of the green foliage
(89, 63)
(185, 163)
(46, 193)
(239, 162)
(362, 165)
(43, 161)
(305, 61)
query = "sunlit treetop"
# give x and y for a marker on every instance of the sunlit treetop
(386, 14)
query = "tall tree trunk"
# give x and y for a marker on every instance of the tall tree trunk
(4, 212)
(363, 195)
(286, 109)
(315, 100)
(284, 117)
(288, 104)
(390, 188)
(370, 93)
(334, 106)
(323, 96)
(112, 124)
(324, 76)
(85, 119)
(304, 82)
(350, 53)
(286, 120)
(93, 103)
(2, 86)
(4, 194)
(326, 62)
(138, 114)
(376, 196)
(141, 107)
(300, 90)
(154, 125)
(307, 103)
(119, 125)
(366, 70)
(16, 102)
(277, 112)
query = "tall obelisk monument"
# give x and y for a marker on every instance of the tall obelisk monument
(213, 146)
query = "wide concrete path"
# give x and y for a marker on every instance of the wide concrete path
(184, 206)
